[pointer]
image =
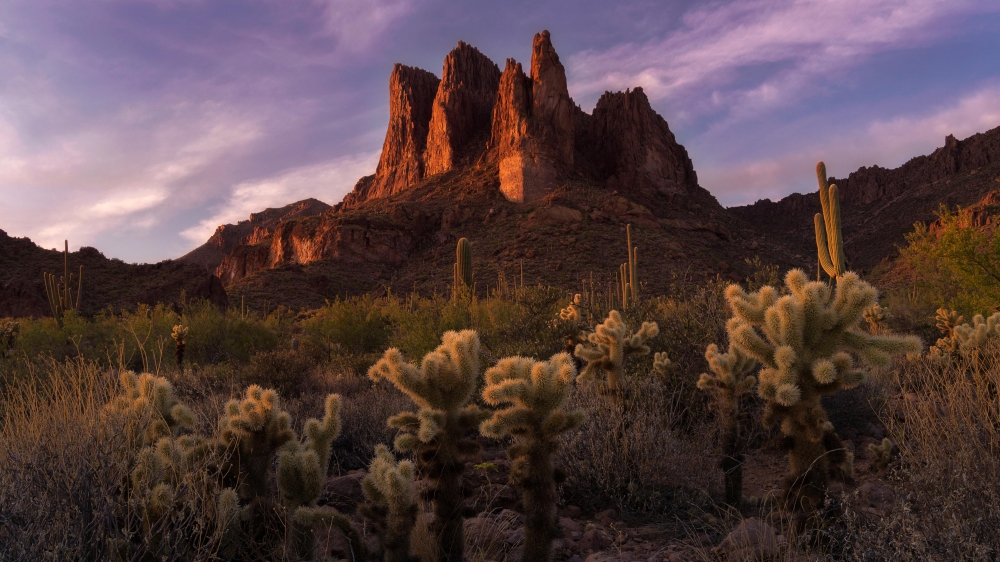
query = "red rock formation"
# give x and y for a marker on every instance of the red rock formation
(462, 107)
(532, 136)
(411, 96)
(259, 226)
(633, 147)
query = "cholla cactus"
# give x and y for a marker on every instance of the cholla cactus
(876, 317)
(829, 240)
(180, 335)
(959, 337)
(8, 337)
(730, 379)
(805, 341)
(881, 454)
(572, 312)
(391, 507)
(253, 429)
(662, 365)
(149, 401)
(302, 467)
(534, 393)
(608, 347)
(442, 386)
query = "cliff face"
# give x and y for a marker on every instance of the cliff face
(411, 98)
(633, 146)
(462, 106)
(535, 136)
(532, 138)
(257, 228)
(879, 205)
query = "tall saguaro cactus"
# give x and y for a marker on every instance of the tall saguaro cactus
(628, 272)
(829, 238)
(60, 290)
(442, 386)
(463, 266)
(534, 393)
(807, 341)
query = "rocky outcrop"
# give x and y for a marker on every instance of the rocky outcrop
(251, 231)
(633, 147)
(346, 240)
(463, 106)
(532, 139)
(411, 98)
(880, 205)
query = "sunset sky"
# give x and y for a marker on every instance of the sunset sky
(137, 127)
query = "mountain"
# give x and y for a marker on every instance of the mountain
(879, 205)
(260, 225)
(106, 282)
(508, 160)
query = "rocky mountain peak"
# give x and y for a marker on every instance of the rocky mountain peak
(462, 106)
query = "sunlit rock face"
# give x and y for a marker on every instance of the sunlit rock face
(463, 106)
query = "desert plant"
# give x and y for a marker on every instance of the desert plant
(881, 454)
(9, 331)
(805, 340)
(442, 386)
(877, 317)
(729, 381)
(150, 401)
(628, 272)
(534, 393)
(60, 290)
(388, 487)
(179, 334)
(463, 266)
(302, 467)
(252, 430)
(829, 238)
(608, 347)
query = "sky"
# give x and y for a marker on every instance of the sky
(138, 127)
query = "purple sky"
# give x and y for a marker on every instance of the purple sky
(138, 127)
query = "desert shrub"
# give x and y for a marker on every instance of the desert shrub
(356, 325)
(664, 462)
(957, 264)
(284, 370)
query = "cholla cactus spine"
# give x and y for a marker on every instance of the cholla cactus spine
(442, 386)
(829, 238)
(179, 334)
(608, 347)
(804, 340)
(729, 380)
(391, 507)
(534, 393)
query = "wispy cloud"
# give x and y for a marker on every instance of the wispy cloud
(748, 56)
(887, 143)
(334, 178)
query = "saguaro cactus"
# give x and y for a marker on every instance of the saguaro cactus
(628, 272)
(391, 507)
(60, 290)
(608, 347)
(805, 341)
(442, 386)
(463, 266)
(535, 393)
(729, 380)
(829, 239)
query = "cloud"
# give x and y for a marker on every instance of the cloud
(746, 57)
(887, 143)
(358, 24)
(336, 178)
